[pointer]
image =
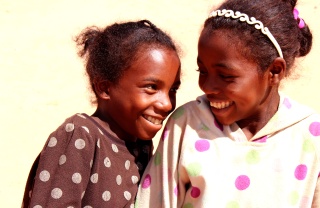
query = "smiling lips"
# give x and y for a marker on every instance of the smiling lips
(153, 120)
(220, 105)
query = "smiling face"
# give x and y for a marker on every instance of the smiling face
(236, 89)
(144, 96)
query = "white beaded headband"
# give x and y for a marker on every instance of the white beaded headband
(243, 17)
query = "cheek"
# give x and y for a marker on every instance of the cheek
(173, 101)
(201, 81)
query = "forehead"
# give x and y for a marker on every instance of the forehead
(154, 61)
(231, 39)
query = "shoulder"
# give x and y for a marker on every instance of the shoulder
(200, 105)
(78, 129)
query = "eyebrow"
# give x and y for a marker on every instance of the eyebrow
(223, 65)
(152, 79)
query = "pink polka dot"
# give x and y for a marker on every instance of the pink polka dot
(314, 128)
(202, 145)
(146, 182)
(176, 191)
(218, 125)
(287, 103)
(195, 192)
(301, 172)
(242, 182)
(261, 139)
(164, 134)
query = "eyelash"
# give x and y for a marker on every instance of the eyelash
(200, 72)
(174, 89)
(227, 78)
(154, 88)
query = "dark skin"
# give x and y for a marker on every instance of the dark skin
(136, 105)
(237, 91)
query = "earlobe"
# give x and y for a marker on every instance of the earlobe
(101, 89)
(277, 71)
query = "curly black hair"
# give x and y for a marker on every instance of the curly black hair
(277, 15)
(110, 51)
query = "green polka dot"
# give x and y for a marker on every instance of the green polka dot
(308, 145)
(253, 157)
(188, 205)
(194, 169)
(204, 127)
(178, 113)
(294, 198)
(233, 204)
(136, 204)
(157, 158)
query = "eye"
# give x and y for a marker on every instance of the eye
(151, 88)
(174, 89)
(227, 77)
(201, 71)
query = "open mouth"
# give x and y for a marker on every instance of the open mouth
(153, 120)
(220, 105)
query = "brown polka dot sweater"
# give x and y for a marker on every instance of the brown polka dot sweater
(84, 165)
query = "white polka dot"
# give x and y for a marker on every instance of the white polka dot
(134, 179)
(82, 195)
(106, 196)
(85, 128)
(30, 193)
(69, 127)
(98, 143)
(37, 206)
(76, 178)
(88, 206)
(127, 165)
(100, 131)
(52, 142)
(82, 116)
(94, 178)
(115, 148)
(127, 195)
(119, 179)
(70, 207)
(132, 206)
(91, 163)
(80, 144)
(44, 176)
(107, 162)
(56, 193)
(62, 159)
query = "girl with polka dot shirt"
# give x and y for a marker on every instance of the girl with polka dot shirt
(96, 161)
(243, 144)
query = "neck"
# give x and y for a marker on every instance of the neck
(106, 121)
(251, 125)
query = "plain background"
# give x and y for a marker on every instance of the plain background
(42, 80)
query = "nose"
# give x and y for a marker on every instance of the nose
(209, 85)
(165, 102)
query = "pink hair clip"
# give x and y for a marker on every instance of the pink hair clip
(296, 17)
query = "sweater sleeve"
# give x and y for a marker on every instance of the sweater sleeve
(160, 185)
(64, 167)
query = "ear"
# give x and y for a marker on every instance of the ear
(101, 89)
(277, 71)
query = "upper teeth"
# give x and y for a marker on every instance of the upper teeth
(220, 105)
(154, 120)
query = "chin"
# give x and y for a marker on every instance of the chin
(147, 136)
